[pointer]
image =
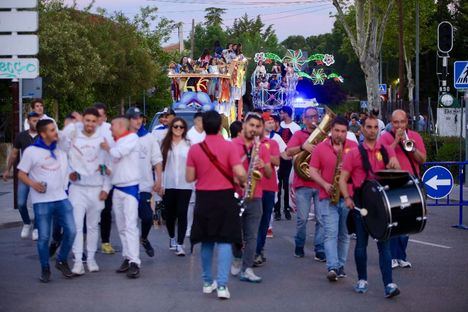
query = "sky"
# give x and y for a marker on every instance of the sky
(289, 17)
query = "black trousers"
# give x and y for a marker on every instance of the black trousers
(284, 171)
(106, 219)
(176, 202)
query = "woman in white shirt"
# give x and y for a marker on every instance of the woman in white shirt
(176, 191)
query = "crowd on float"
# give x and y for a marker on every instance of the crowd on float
(78, 175)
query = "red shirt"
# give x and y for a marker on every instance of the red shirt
(352, 162)
(271, 184)
(298, 138)
(263, 155)
(208, 177)
(387, 139)
(324, 160)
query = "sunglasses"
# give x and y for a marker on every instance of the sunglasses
(178, 127)
(311, 116)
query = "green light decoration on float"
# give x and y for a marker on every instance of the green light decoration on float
(296, 59)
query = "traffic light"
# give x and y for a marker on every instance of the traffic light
(445, 37)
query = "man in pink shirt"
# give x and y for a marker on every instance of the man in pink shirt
(214, 165)
(323, 165)
(306, 191)
(270, 187)
(359, 168)
(409, 161)
(245, 143)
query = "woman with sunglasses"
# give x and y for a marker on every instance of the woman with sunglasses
(176, 191)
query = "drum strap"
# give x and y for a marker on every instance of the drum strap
(214, 160)
(365, 159)
(407, 156)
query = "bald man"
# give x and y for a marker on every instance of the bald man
(125, 177)
(410, 161)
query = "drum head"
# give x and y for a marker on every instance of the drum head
(393, 178)
(378, 216)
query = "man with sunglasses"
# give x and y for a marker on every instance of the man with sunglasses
(245, 145)
(306, 191)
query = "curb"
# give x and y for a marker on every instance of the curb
(9, 225)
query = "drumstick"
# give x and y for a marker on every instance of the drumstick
(362, 211)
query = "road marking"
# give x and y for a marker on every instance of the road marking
(429, 244)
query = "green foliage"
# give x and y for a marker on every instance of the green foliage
(444, 148)
(349, 106)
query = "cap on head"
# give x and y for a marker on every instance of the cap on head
(267, 116)
(168, 111)
(133, 112)
(33, 114)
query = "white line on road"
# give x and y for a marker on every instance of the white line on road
(429, 244)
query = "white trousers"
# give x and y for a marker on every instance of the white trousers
(125, 209)
(190, 214)
(85, 202)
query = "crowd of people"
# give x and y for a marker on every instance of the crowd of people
(78, 175)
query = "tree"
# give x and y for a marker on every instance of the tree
(213, 16)
(366, 39)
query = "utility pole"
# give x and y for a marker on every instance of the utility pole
(192, 39)
(181, 37)
(401, 64)
(416, 89)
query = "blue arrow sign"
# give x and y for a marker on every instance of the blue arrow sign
(438, 182)
(383, 88)
(460, 75)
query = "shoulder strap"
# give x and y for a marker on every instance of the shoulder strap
(384, 153)
(214, 160)
(413, 167)
(365, 160)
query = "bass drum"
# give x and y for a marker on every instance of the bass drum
(396, 205)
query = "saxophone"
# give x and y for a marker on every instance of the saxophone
(335, 196)
(301, 161)
(253, 176)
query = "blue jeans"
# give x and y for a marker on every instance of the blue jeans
(336, 233)
(268, 201)
(304, 197)
(224, 262)
(45, 213)
(398, 246)
(22, 198)
(360, 252)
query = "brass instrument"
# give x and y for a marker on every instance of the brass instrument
(335, 197)
(408, 144)
(301, 161)
(253, 176)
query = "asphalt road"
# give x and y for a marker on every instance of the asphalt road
(438, 280)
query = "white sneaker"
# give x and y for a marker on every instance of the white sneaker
(35, 235)
(395, 263)
(172, 244)
(236, 266)
(78, 268)
(180, 250)
(404, 264)
(92, 265)
(25, 230)
(223, 292)
(249, 276)
(209, 288)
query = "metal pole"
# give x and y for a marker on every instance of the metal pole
(416, 90)
(192, 39)
(380, 68)
(16, 130)
(20, 106)
(465, 99)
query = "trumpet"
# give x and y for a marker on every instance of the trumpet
(408, 144)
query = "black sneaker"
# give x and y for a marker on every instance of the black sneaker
(277, 216)
(45, 275)
(84, 258)
(53, 248)
(133, 271)
(332, 275)
(320, 257)
(341, 273)
(287, 214)
(124, 266)
(258, 262)
(148, 248)
(299, 252)
(63, 267)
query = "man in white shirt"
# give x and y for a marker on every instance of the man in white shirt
(37, 105)
(125, 177)
(286, 119)
(90, 186)
(43, 167)
(196, 135)
(106, 214)
(150, 161)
